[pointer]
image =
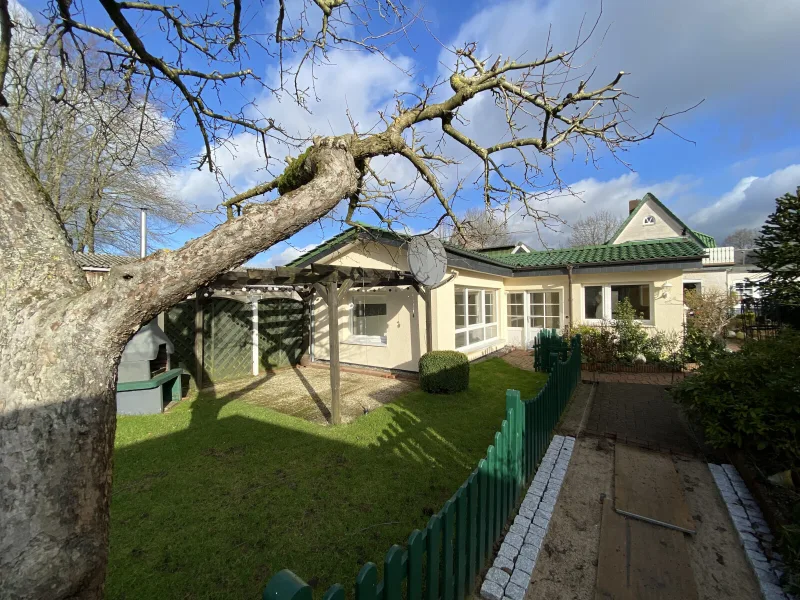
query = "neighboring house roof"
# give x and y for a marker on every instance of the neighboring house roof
(89, 260)
(498, 250)
(705, 241)
(504, 250)
(665, 250)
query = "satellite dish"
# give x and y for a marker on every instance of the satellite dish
(427, 259)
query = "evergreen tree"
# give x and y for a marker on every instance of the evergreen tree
(778, 251)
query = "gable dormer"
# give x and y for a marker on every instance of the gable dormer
(649, 219)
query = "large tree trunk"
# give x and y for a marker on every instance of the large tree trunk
(55, 461)
(60, 344)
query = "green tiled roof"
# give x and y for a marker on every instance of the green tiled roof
(627, 252)
(706, 241)
(649, 250)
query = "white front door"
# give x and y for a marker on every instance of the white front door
(515, 330)
(531, 311)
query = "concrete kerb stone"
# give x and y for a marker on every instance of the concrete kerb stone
(509, 577)
(754, 534)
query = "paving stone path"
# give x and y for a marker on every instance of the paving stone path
(510, 575)
(640, 415)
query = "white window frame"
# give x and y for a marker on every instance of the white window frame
(606, 291)
(649, 221)
(366, 340)
(482, 324)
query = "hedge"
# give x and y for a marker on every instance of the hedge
(444, 372)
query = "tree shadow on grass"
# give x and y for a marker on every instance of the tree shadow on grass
(217, 507)
(222, 494)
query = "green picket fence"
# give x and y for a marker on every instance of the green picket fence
(546, 343)
(443, 561)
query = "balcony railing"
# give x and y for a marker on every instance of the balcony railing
(719, 256)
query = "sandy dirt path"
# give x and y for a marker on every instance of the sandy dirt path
(567, 565)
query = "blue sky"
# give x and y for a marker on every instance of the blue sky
(737, 56)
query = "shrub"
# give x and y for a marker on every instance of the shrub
(748, 399)
(444, 372)
(699, 347)
(632, 338)
(599, 344)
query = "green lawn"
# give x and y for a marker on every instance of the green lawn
(216, 496)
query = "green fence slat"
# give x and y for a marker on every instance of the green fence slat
(367, 582)
(447, 549)
(393, 574)
(461, 541)
(491, 498)
(506, 436)
(433, 565)
(499, 444)
(483, 512)
(416, 548)
(473, 530)
(335, 592)
(498, 486)
(285, 585)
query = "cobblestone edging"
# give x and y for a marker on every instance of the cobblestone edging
(510, 575)
(753, 531)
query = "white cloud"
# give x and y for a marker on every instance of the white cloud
(676, 52)
(748, 204)
(590, 196)
(354, 82)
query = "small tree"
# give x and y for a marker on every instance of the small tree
(778, 251)
(710, 311)
(742, 239)
(594, 229)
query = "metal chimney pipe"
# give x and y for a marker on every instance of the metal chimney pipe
(143, 233)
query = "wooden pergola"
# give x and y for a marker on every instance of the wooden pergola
(330, 283)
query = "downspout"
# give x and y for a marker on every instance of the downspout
(569, 294)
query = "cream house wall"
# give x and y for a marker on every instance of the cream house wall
(405, 313)
(405, 338)
(664, 227)
(667, 311)
(709, 279)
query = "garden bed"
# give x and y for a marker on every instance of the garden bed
(615, 367)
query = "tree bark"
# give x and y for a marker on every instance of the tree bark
(60, 344)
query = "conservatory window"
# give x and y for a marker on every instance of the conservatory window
(475, 316)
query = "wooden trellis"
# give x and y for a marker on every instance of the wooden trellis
(328, 281)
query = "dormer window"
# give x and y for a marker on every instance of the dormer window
(649, 220)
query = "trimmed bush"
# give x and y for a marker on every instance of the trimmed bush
(444, 372)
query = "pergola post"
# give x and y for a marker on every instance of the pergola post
(333, 342)
(254, 305)
(198, 340)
